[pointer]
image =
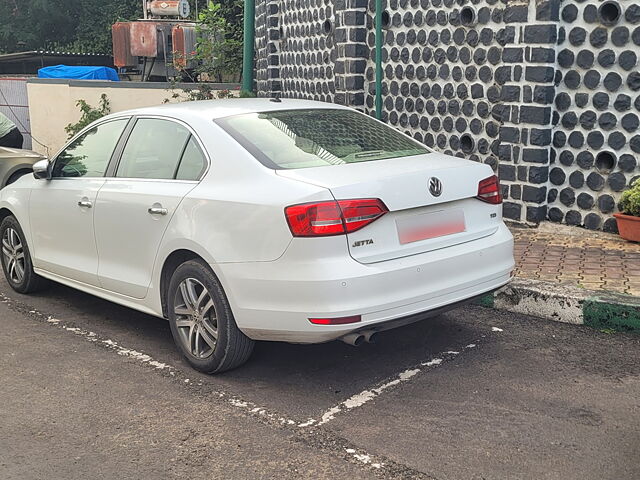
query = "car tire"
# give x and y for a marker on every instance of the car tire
(202, 324)
(16, 259)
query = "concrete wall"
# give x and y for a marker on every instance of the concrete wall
(52, 104)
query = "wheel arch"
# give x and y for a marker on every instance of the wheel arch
(173, 261)
(24, 169)
(4, 213)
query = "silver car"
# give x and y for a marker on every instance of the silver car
(15, 163)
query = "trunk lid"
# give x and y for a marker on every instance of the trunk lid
(418, 221)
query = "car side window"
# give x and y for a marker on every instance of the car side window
(89, 154)
(193, 163)
(153, 149)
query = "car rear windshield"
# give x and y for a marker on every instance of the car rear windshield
(289, 139)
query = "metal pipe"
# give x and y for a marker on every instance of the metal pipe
(355, 339)
(153, 62)
(247, 51)
(144, 68)
(164, 48)
(378, 59)
(370, 336)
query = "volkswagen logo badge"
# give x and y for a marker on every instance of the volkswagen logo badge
(435, 186)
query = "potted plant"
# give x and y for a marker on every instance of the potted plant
(629, 218)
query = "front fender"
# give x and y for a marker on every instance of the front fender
(6, 175)
(15, 201)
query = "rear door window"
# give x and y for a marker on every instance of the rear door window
(193, 163)
(153, 150)
(290, 139)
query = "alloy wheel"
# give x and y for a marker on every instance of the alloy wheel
(196, 318)
(13, 255)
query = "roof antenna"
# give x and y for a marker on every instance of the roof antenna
(276, 97)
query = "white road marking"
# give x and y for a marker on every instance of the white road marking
(145, 359)
(435, 361)
(354, 401)
(364, 458)
(365, 396)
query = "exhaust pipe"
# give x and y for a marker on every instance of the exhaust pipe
(370, 336)
(358, 338)
(355, 339)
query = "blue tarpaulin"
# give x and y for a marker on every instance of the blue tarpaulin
(79, 73)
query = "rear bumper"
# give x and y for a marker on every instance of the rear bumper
(274, 300)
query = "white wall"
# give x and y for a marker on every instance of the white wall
(52, 104)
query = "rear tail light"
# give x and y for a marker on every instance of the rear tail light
(489, 190)
(336, 321)
(333, 218)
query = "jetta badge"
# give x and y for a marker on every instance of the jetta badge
(435, 186)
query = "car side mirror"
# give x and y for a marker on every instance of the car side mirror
(42, 169)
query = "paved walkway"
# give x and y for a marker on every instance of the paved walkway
(570, 255)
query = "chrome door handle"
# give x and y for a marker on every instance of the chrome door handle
(85, 204)
(157, 211)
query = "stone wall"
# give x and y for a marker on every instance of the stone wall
(597, 105)
(511, 83)
(307, 52)
(474, 79)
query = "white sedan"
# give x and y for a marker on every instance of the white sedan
(254, 219)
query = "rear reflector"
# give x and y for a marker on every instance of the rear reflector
(336, 321)
(489, 190)
(333, 218)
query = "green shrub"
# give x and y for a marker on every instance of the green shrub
(630, 200)
(89, 115)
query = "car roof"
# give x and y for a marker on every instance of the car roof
(213, 109)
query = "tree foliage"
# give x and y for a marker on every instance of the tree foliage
(74, 25)
(220, 36)
(85, 25)
(218, 52)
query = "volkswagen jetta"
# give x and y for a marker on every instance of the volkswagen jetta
(253, 219)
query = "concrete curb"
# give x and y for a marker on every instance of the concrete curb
(568, 304)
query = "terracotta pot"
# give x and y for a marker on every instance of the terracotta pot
(628, 226)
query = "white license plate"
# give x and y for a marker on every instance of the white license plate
(430, 225)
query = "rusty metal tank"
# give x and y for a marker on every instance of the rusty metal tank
(184, 44)
(120, 34)
(169, 8)
(144, 39)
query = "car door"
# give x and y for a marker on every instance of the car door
(61, 209)
(161, 162)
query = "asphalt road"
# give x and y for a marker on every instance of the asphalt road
(93, 390)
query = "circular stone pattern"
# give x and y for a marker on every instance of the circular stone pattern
(592, 221)
(595, 181)
(573, 217)
(606, 203)
(555, 214)
(585, 201)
